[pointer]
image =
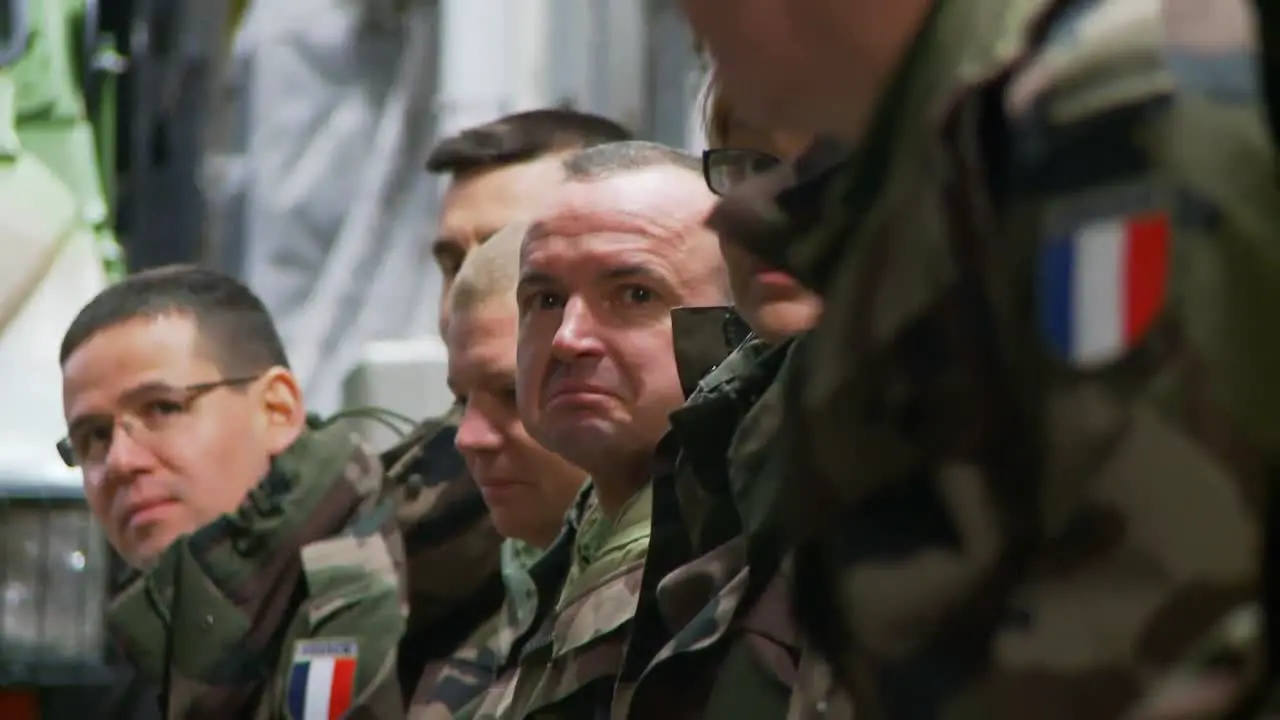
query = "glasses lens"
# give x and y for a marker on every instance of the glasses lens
(724, 169)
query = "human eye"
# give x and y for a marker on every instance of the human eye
(507, 394)
(91, 443)
(159, 408)
(637, 294)
(541, 300)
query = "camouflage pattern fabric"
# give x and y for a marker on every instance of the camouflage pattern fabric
(310, 568)
(587, 584)
(735, 652)
(451, 546)
(1023, 487)
(452, 690)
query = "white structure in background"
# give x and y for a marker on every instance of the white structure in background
(333, 106)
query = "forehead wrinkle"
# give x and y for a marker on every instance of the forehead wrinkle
(661, 203)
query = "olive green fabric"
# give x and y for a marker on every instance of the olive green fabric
(993, 522)
(714, 636)
(311, 555)
(587, 584)
(452, 551)
(454, 688)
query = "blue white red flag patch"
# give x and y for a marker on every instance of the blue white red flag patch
(322, 679)
(1103, 286)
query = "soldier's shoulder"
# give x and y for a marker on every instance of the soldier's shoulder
(1092, 56)
(416, 454)
(1089, 57)
(428, 483)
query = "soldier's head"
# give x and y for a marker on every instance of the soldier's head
(772, 302)
(816, 65)
(620, 244)
(527, 487)
(177, 395)
(500, 173)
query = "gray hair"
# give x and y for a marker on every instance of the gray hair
(602, 161)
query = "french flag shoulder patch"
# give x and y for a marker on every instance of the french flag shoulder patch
(1102, 286)
(322, 679)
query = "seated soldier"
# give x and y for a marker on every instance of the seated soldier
(724, 609)
(499, 172)
(526, 487)
(602, 266)
(265, 578)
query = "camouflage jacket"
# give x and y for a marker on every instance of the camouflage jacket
(566, 664)
(291, 607)
(451, 548)
(454, 690)
(1047, 350)
(721, 618)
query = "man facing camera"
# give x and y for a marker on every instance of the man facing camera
(619, 247)
(265, 578)
(499, 172)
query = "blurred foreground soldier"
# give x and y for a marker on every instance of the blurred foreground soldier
(265, 581)
(1028, 437)
(603, 265)
(500, 172)
(527, 488)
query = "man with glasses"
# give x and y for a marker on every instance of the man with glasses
(1030, 437)
(717, 562)
(264, 575)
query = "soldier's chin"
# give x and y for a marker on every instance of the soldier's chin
(775, 320)
(144, 554)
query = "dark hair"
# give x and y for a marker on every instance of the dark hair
(605, 160)
(519, 137)
(233, 323)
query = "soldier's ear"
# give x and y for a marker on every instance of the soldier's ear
(284, 414)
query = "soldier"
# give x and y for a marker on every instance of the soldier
(265, 576)
(500, 172)
(1044, 363)
(526, 487)
(721, 611)
(620, 246)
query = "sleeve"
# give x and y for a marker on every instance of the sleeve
(343, 664)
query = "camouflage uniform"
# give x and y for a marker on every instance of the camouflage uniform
(587, 582)
(719, 615)
(454, 690)
(294, 599)
(451, 547)
(1028, 435)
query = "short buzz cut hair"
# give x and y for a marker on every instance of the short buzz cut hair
(233, 324)
(603, 161)
(491, 272)
(520, 137)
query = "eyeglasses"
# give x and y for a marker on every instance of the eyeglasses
(724, 168)
(151, 417)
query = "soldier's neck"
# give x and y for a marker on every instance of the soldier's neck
(614, 489)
